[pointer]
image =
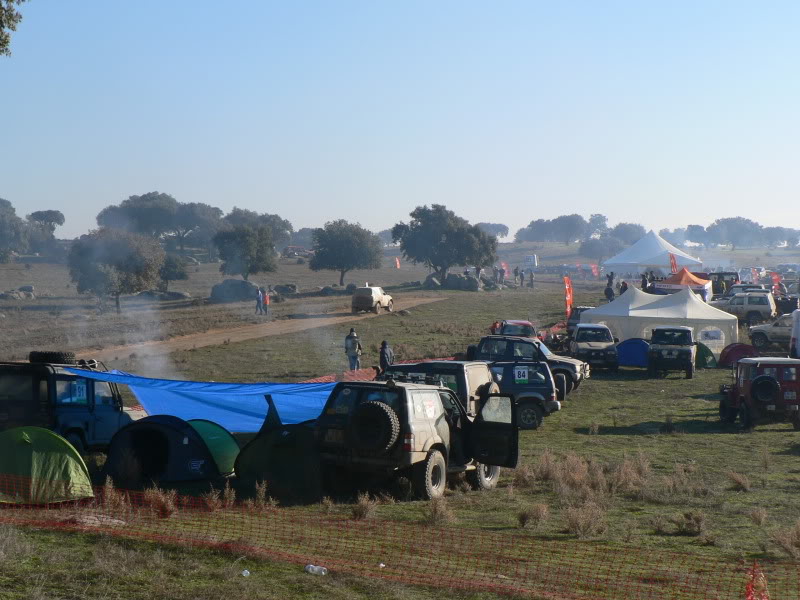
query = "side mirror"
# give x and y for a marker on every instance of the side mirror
(616, 340)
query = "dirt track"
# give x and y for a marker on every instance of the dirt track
(241, 334)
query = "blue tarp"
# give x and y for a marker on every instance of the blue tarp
(238, 407)
(633, 352)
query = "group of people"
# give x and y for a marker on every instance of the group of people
(353, 349)
(263, 301)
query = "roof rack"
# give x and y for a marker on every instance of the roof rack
(411, 378)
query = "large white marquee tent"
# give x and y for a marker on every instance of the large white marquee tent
(635, 313)
(650, 253)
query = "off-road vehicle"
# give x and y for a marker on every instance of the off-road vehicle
(420, 431)
(671, 349)
(595, 345)
(751, 307)
(42, 392)
(779, 332)
(371, 298)
(575, 317)
(516, 327)
(763, 389)
(495, 348)
(531, 384)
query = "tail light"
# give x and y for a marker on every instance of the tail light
(553, 396)
(408, 442)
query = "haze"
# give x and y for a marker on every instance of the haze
(659, 113)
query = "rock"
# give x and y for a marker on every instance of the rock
(233, 290)
(327, 291)
(431, 283)
(453, 281)
(351, 287)
(285, 289)
(471, 284)
(26, 288)
(277, 298)
(176, 296)
(403, 313)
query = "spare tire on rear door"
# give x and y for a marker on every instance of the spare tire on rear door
(764, 388)
(374, 427)
(59, 358)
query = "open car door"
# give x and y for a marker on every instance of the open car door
(493, 435)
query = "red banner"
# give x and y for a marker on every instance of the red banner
(673, 262)
(568, 295)
(776, 280)
(396, 262)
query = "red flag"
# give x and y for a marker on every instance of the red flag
(754, 275)
(396, 262)
(776, 279)
(568, 295)
(673, 262)
(595, 270)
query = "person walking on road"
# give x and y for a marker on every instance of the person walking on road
(387, 356)
(352, 348)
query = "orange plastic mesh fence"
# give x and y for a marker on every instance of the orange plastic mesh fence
(415, 553)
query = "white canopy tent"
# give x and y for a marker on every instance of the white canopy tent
(650, 253)
(635, 313)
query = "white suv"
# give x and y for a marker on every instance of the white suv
(371, 298)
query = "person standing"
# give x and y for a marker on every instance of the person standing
(516, 275)
(387, 356)
(502, 276)
(532, 277)
(259, 302)
(352, 348)
(267, 302)
(609, 293)
(623, 287)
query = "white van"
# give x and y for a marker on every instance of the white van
(793, 349)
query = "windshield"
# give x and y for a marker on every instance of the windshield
(674, 337)
(593, 335)
(545, 350)
(521, 330)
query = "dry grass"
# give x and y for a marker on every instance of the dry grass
(594, 428)
(739, 481)
(765, 459)
(113, 499)
(328, 505)
(438, 513)
(212, 499)
(788, 540)
(587, 520)
(691, 523)
(364, 508)
(228, 496)
(533, 516)
(129, 471)
(758, 515)
(13, 544)
(163, 502)
(659, 524)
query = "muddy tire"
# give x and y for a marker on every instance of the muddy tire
(483, 478)
(76, 440)
(374, 427)
(726, 414)
(561, 386)
(377, 308)
(429, 477)
(690, 372)
(529, 415)
(59, 358)
(760, 341)
(390, 306)
(746, 419)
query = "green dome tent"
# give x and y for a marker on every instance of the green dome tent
(38, 466)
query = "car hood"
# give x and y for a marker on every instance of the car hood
(578, 364)
(594, 345)
(760, 327)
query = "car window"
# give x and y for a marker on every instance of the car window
(72, 391)
(770, 371)
(527, 374)
(520, 330)
(785, 321)
(427, 404)
(761, 300)
(789, 373)
(390, 397)
(593, 334)
(497, 410)
(545, 350)
(737, 301)
(494, 349)
(672, 337)
(102, 394)
(524, 350)
(448, 379)
(477, 377)
(15, 387)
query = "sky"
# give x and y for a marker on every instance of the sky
(661, 113)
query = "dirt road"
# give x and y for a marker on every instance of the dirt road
(241, 334)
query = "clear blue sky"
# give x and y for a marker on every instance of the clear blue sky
(663, 113)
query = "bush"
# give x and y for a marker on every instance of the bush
(438, 513)
(364, 508)
(789, 540)
(534, 516)
(739, 482)
(758, 516)
(692, 523)
(212, 499)
(163, 502)
(588, 520)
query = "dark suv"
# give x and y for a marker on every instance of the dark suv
(503, 348)
(531, 384)
(421, 431)
(42, 392)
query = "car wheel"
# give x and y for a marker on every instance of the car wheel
(484, 477)
(390, 306)
(575, 384)
(374, 427)
(753, 318)
(746, 417)
(796, 422)
(376, 309)
(760, 340)
(529, 415)
(561, 386)
(726, 414)
(429, 477)
(76, 440)
(690, 372)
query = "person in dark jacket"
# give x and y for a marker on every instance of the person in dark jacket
(623, 287)
(609, 293)
(387, 356)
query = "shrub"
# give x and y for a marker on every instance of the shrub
(789, 540)
(438, 513)
(113, 499)
(534, 515)
(228, 496)
(524, 476)
(327, 504)
(758, 515)
(212, 499)
(163, 502)
(588, 520)
(739, 481)
(659, 525)
(547, 467)
(262, 500)
(691, 522)
(364, 508)
(594, 428)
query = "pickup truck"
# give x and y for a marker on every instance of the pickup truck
(531, 383)
(496, 348)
